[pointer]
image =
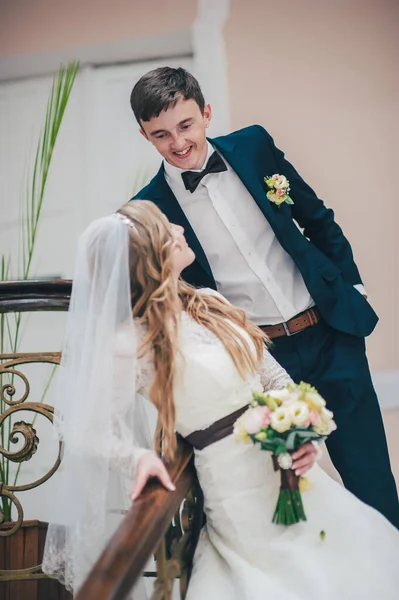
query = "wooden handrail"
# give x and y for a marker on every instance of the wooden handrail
(35, 295)
(139, 534)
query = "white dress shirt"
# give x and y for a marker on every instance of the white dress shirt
(250, 267)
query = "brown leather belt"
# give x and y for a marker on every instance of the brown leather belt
(202, 438)
(305, 319)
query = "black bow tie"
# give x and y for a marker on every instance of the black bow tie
(215, 164)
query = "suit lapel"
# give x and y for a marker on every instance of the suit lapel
(252, 176)
(165, 199)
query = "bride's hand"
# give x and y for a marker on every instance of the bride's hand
(304, 458)
(149, 465)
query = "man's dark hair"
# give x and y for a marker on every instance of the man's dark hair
(158, 89)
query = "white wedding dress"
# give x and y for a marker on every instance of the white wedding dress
(344, 551)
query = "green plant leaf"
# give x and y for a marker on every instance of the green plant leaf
(31, 210)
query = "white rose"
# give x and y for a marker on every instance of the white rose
(240, 430)
(315, 401)
(293, 397)
(280, 395)
(326, 415)
(322, 429)
(300, 414)
(281, 419)
(280, 182)
(327, 424)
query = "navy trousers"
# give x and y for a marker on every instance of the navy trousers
(336, 364)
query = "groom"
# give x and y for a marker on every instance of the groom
(300, 284)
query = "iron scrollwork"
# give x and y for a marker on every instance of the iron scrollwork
(174, 556)
(21, 428)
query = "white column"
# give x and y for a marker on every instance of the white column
(210, 60)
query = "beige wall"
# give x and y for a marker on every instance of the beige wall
(322, 78)
(29, 26)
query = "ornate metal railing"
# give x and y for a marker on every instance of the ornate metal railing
(28, 433)
(21, 541)
(159, 522)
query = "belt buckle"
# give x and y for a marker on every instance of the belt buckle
(287, 331)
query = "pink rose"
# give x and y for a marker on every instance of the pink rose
(280, 192)
(315, 418)
(257, 418)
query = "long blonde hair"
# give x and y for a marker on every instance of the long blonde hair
(157, 301)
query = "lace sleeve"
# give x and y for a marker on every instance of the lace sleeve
(130, 429)
(145, 374)
(272, 374)
(124, 454)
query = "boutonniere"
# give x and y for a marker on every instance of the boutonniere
(279, 188)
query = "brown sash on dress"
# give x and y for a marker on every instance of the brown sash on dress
(202, 438)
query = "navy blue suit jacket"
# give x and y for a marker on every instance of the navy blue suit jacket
(322, 253)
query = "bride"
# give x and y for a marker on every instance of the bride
(136, 330)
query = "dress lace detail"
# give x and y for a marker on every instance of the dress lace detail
(272, 375)
(124, 455)
(206, 371)
(198, 333)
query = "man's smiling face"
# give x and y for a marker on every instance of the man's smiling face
(178, 133)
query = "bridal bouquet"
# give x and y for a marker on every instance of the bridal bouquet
(281, 421)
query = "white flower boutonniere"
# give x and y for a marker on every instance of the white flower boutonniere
(279, 188)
